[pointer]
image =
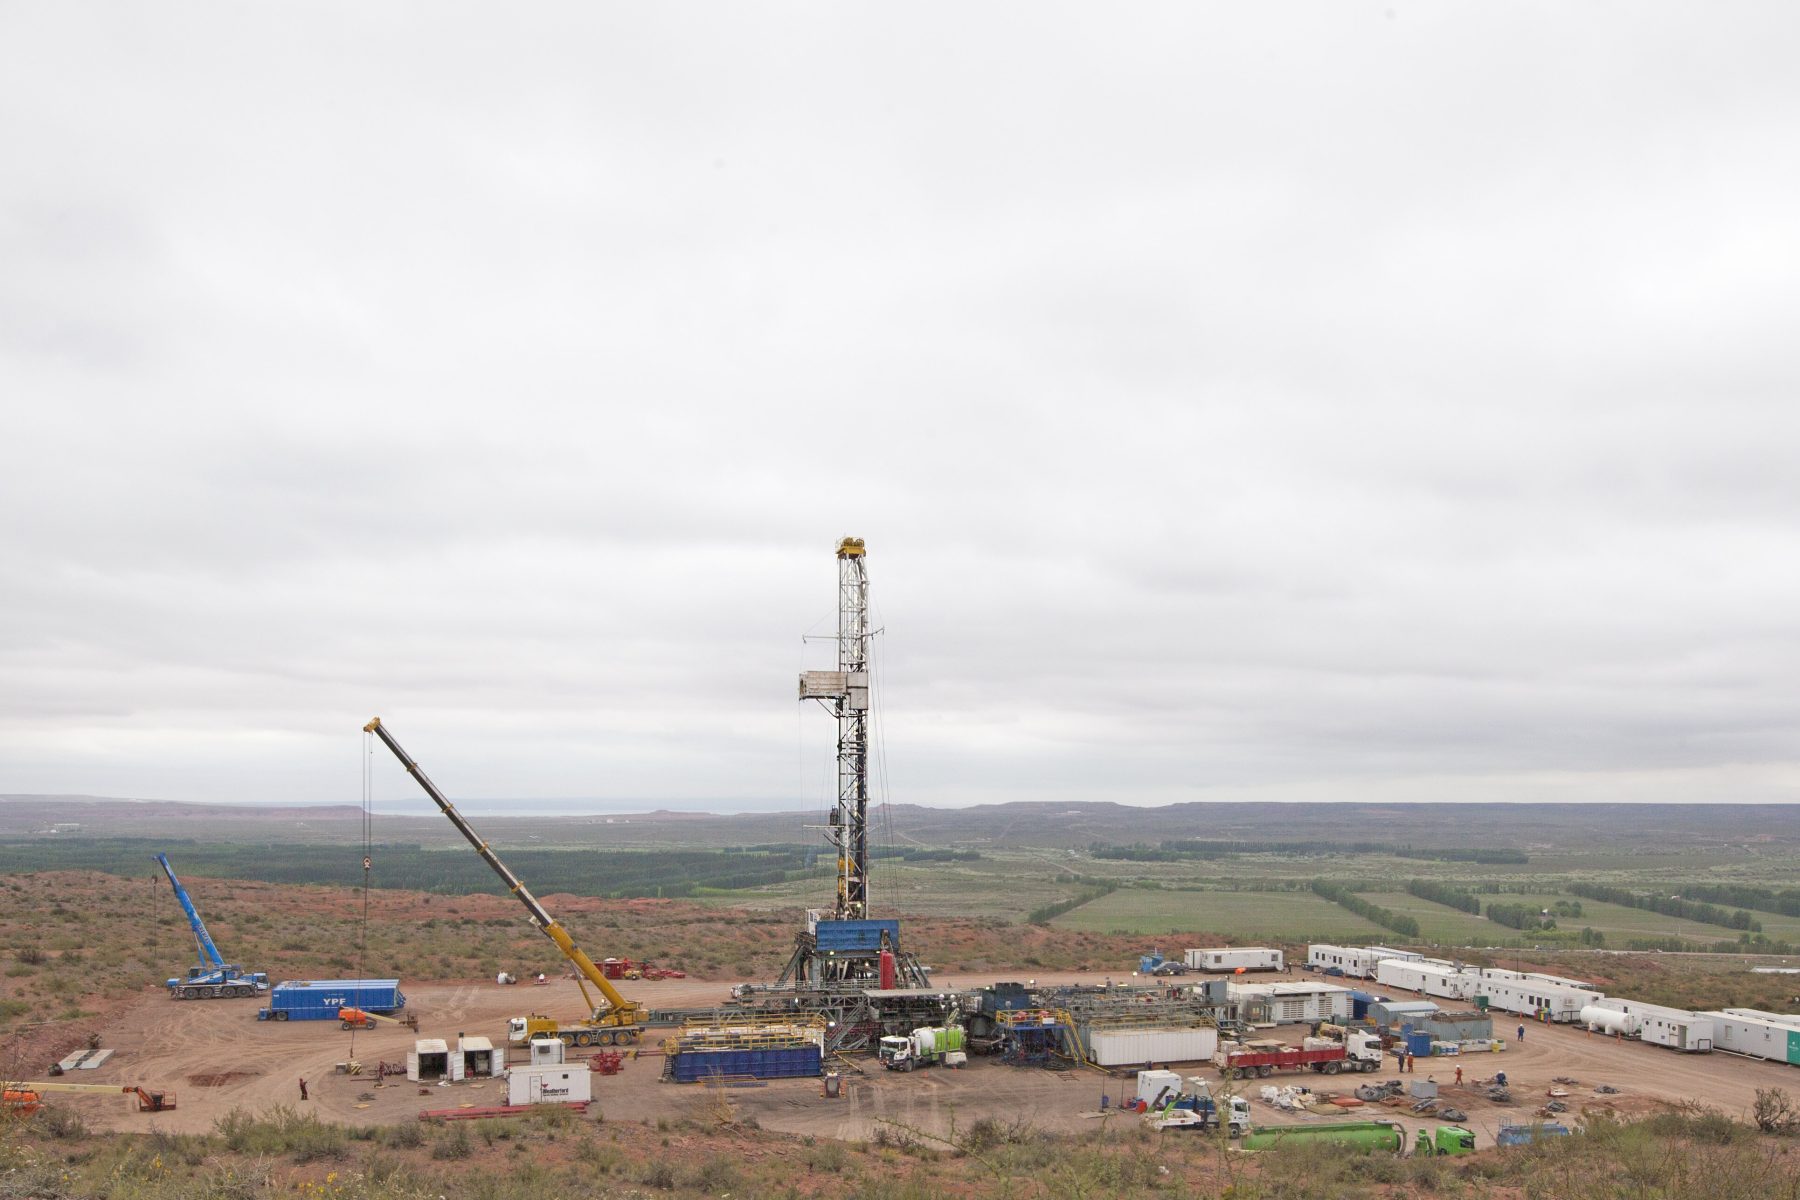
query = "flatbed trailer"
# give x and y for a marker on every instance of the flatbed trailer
(1264, 1063)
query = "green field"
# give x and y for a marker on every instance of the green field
(1288, 915)
(1442, 925)
(1620, 923)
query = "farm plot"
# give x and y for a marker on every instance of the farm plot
(1620, 924)
(1440, 924)
(1294, 916)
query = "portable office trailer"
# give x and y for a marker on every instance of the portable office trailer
(1433, 979)
(1741, 1032)
(1358, 962)
(1765, 1014)
(1676, 1028)
(1119, 1047)
(1533, 998)
(1234, 958)
(549, 1083)
(1291, 1003)
(1581, 985)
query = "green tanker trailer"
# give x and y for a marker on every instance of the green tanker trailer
(1365, 1137)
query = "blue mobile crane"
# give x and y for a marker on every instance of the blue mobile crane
(214, 977)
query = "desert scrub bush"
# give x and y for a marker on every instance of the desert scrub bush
(1774, 1112)
(715, 1175)
(602, 1159)
(282, 1131)
(453, 1143)
(657, 1173)
(828, 1156)
(403, 1137)
(190, 1149)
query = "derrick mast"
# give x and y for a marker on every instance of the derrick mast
(850, 820)
(845, 692)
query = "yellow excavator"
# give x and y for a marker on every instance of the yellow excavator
(27, 1098)
(614, 1020)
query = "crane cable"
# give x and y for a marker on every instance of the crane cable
(362, 935)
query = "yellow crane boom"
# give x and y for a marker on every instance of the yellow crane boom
(613, 1010)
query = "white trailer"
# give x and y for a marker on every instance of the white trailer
(1533, 998)
(1757, 1034)
(1234, 958)
(548, 1083)
(1356, 962)
(1765, 1014)
(1676, 1028)
(1443, 980)
(1120, 1047)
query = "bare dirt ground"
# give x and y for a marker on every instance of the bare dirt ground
(218, 1058)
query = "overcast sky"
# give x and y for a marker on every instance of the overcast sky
(1336, 401)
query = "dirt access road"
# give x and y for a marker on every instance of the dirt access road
(217, 1058)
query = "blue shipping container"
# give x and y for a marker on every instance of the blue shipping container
(857, 935)
(1418, 1044)
(320, 999)
(787, 1062)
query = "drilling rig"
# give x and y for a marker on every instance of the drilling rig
(849, 947)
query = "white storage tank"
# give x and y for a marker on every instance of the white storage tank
(1609, 1020)
(1121, 1047)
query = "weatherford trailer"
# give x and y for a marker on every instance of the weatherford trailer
(322, 999)
(1757, 1036)
(1531, 998)
(1676, 1028)
(1235, 958)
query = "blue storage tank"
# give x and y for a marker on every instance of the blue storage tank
(781, 1062)
(857, 935)
(320, 999)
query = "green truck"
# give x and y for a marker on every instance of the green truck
(1366, 1137)
(923, 1048)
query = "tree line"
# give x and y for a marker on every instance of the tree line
(1387, 918)
(1446, 894)
(1669, 906)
